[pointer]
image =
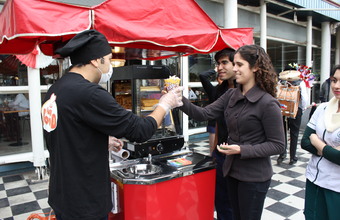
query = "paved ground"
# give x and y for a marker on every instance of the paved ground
(19, 196)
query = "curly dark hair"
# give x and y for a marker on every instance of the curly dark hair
(265, 76)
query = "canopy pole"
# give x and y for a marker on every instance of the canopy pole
(39, 159)
(184, 74)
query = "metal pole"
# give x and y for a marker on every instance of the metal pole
(36, 123)
(184, 73)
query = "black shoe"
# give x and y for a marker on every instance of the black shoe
(279, 160)
(293, 161)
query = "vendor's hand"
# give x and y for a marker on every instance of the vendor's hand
(317, 143)
(229, 149)
(115, 144)
(172, 99)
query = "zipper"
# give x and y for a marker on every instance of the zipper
(317, 164)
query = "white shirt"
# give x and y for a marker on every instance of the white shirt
(319, 170)
(20, 103)
(304, 101)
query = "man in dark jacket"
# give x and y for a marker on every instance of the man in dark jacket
(226, 80)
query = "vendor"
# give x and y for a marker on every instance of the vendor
(78, 117)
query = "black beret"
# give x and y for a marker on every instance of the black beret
(85, 46)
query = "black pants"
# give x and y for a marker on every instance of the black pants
(222, 203)
(247, 198)
(294, 127)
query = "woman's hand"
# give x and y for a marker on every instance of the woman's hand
(317, 143)
(115, 144)
(337, 148)
(229, 149)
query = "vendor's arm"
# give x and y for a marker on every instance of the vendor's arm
(168, 101)
(107, 116)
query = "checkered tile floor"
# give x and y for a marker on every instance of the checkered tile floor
(19, 196)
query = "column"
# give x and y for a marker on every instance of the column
(263, 16)
(337, 47)
(300, 58)
(283, 57)
(325, 51)
(309, 49)
(230, 14)
(36, 123)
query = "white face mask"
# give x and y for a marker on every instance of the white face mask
(105, 77)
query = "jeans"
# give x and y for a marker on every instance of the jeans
(247, 198)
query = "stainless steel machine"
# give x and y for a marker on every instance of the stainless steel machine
(160, 179)
(138, 88)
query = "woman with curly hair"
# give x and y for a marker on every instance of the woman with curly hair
(254, 121)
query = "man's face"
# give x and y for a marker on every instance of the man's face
(225, 68)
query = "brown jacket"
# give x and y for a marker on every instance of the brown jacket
(254, 123)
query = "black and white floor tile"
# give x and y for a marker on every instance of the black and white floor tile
(20, 196)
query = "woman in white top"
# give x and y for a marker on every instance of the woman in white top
(322, 139)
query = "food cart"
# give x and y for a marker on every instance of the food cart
(167, 27)
(177, 185)
(157, 181)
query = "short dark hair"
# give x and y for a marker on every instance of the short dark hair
(226, 52)
(289, 67)
(334, 69)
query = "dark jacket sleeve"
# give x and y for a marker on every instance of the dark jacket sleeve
(209, 112)
(328, 152)
(106, 115)
(331, 154)
(206, 78)
(305, 141)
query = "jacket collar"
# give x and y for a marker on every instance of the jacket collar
(253, 95)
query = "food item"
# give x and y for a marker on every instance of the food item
(147, 104)
(222, 148)
(149, 88)
(172, 82)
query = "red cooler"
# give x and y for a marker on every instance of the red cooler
(171, 192)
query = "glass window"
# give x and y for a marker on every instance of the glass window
(199, 63)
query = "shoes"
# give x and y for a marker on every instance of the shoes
(293, 161)
(280, 160)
